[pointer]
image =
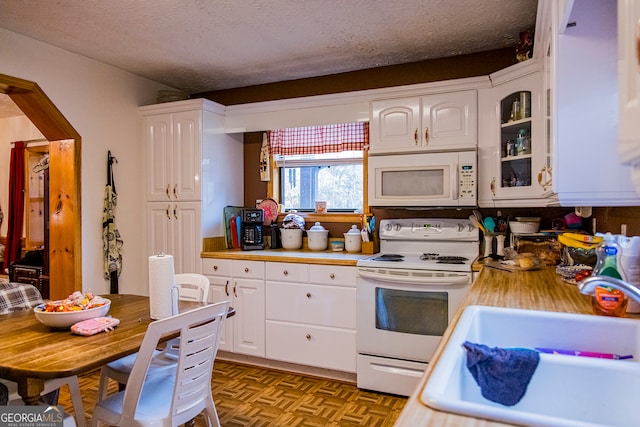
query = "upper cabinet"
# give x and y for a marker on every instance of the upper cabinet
(586, 163)
(437, 122)
(514, 161)
(173, 156)
(629, 81)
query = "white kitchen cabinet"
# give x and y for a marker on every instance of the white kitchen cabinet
(587, 165)
(513, 153)
(310, 315)
(193, 171)
(242, 284)
(219, 273)
(629, 80)
(435, 122)
(173, 142)
(174, 228)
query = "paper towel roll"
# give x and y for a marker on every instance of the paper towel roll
(162, 282)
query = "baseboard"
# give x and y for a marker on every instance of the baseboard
(347, 377)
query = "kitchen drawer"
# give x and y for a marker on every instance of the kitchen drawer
(216, 267)
(287, 272)
(248, 269)
(314, 304)
(318, 346)
(332, 275)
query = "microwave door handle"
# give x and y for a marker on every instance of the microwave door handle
(454, 181)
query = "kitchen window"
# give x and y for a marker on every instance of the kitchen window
(320, 163)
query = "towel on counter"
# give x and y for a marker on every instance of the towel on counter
(502, 374)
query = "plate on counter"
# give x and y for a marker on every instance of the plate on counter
(270, 208)
(568, 273)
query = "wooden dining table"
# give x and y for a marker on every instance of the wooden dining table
(31, 352)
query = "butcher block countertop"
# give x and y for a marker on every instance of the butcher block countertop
(302, 256)
(536, 290)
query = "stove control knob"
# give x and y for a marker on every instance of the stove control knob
(388, 226)
(460, 228)
(398, 227)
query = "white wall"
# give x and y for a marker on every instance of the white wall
(101, 103)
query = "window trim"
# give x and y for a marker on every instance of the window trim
(273, 191)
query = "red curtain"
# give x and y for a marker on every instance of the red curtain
(319, 139)
(16, 204)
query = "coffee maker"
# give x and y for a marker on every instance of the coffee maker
(251, 229)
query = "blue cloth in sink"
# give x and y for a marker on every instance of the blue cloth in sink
(502, 374)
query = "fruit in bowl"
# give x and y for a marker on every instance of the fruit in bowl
(78, 307)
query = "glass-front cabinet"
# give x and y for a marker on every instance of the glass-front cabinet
(513, 151)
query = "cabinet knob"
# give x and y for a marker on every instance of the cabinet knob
(308, 337)
(215, 268)
(426, 136)
(309, 295)
(286, 273)
(415, 137)
(332, 276)
(246, 269)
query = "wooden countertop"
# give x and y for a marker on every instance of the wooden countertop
(536, 290)
(302, 256)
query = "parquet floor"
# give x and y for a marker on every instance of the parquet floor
(251, 396)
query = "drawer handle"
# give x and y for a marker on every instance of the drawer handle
(286, 273)
(308, 337)
(309, 295)
(332, 276)
(246, 269)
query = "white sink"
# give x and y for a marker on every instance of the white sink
(564, 390)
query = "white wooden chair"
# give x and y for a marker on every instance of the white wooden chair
(191, 287)
(180, 395)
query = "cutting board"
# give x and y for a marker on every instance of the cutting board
(232, 220)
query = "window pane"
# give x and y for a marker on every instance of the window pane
(339, 185)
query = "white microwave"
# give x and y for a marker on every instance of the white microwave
(423, 180)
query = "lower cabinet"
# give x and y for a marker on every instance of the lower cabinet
(310, 315)
(295, 313)
(242, 284)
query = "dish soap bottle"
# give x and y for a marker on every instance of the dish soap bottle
(608, 301)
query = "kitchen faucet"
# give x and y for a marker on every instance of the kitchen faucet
(588, 286)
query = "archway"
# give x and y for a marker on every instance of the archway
(65, 239)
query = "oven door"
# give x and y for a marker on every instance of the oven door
(406, 319)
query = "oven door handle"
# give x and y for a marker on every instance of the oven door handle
(453, 279)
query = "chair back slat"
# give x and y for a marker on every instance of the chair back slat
(199, 331)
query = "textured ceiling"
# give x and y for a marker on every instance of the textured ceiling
(206, 45)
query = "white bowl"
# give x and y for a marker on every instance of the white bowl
(64, 319)
(524, 227)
